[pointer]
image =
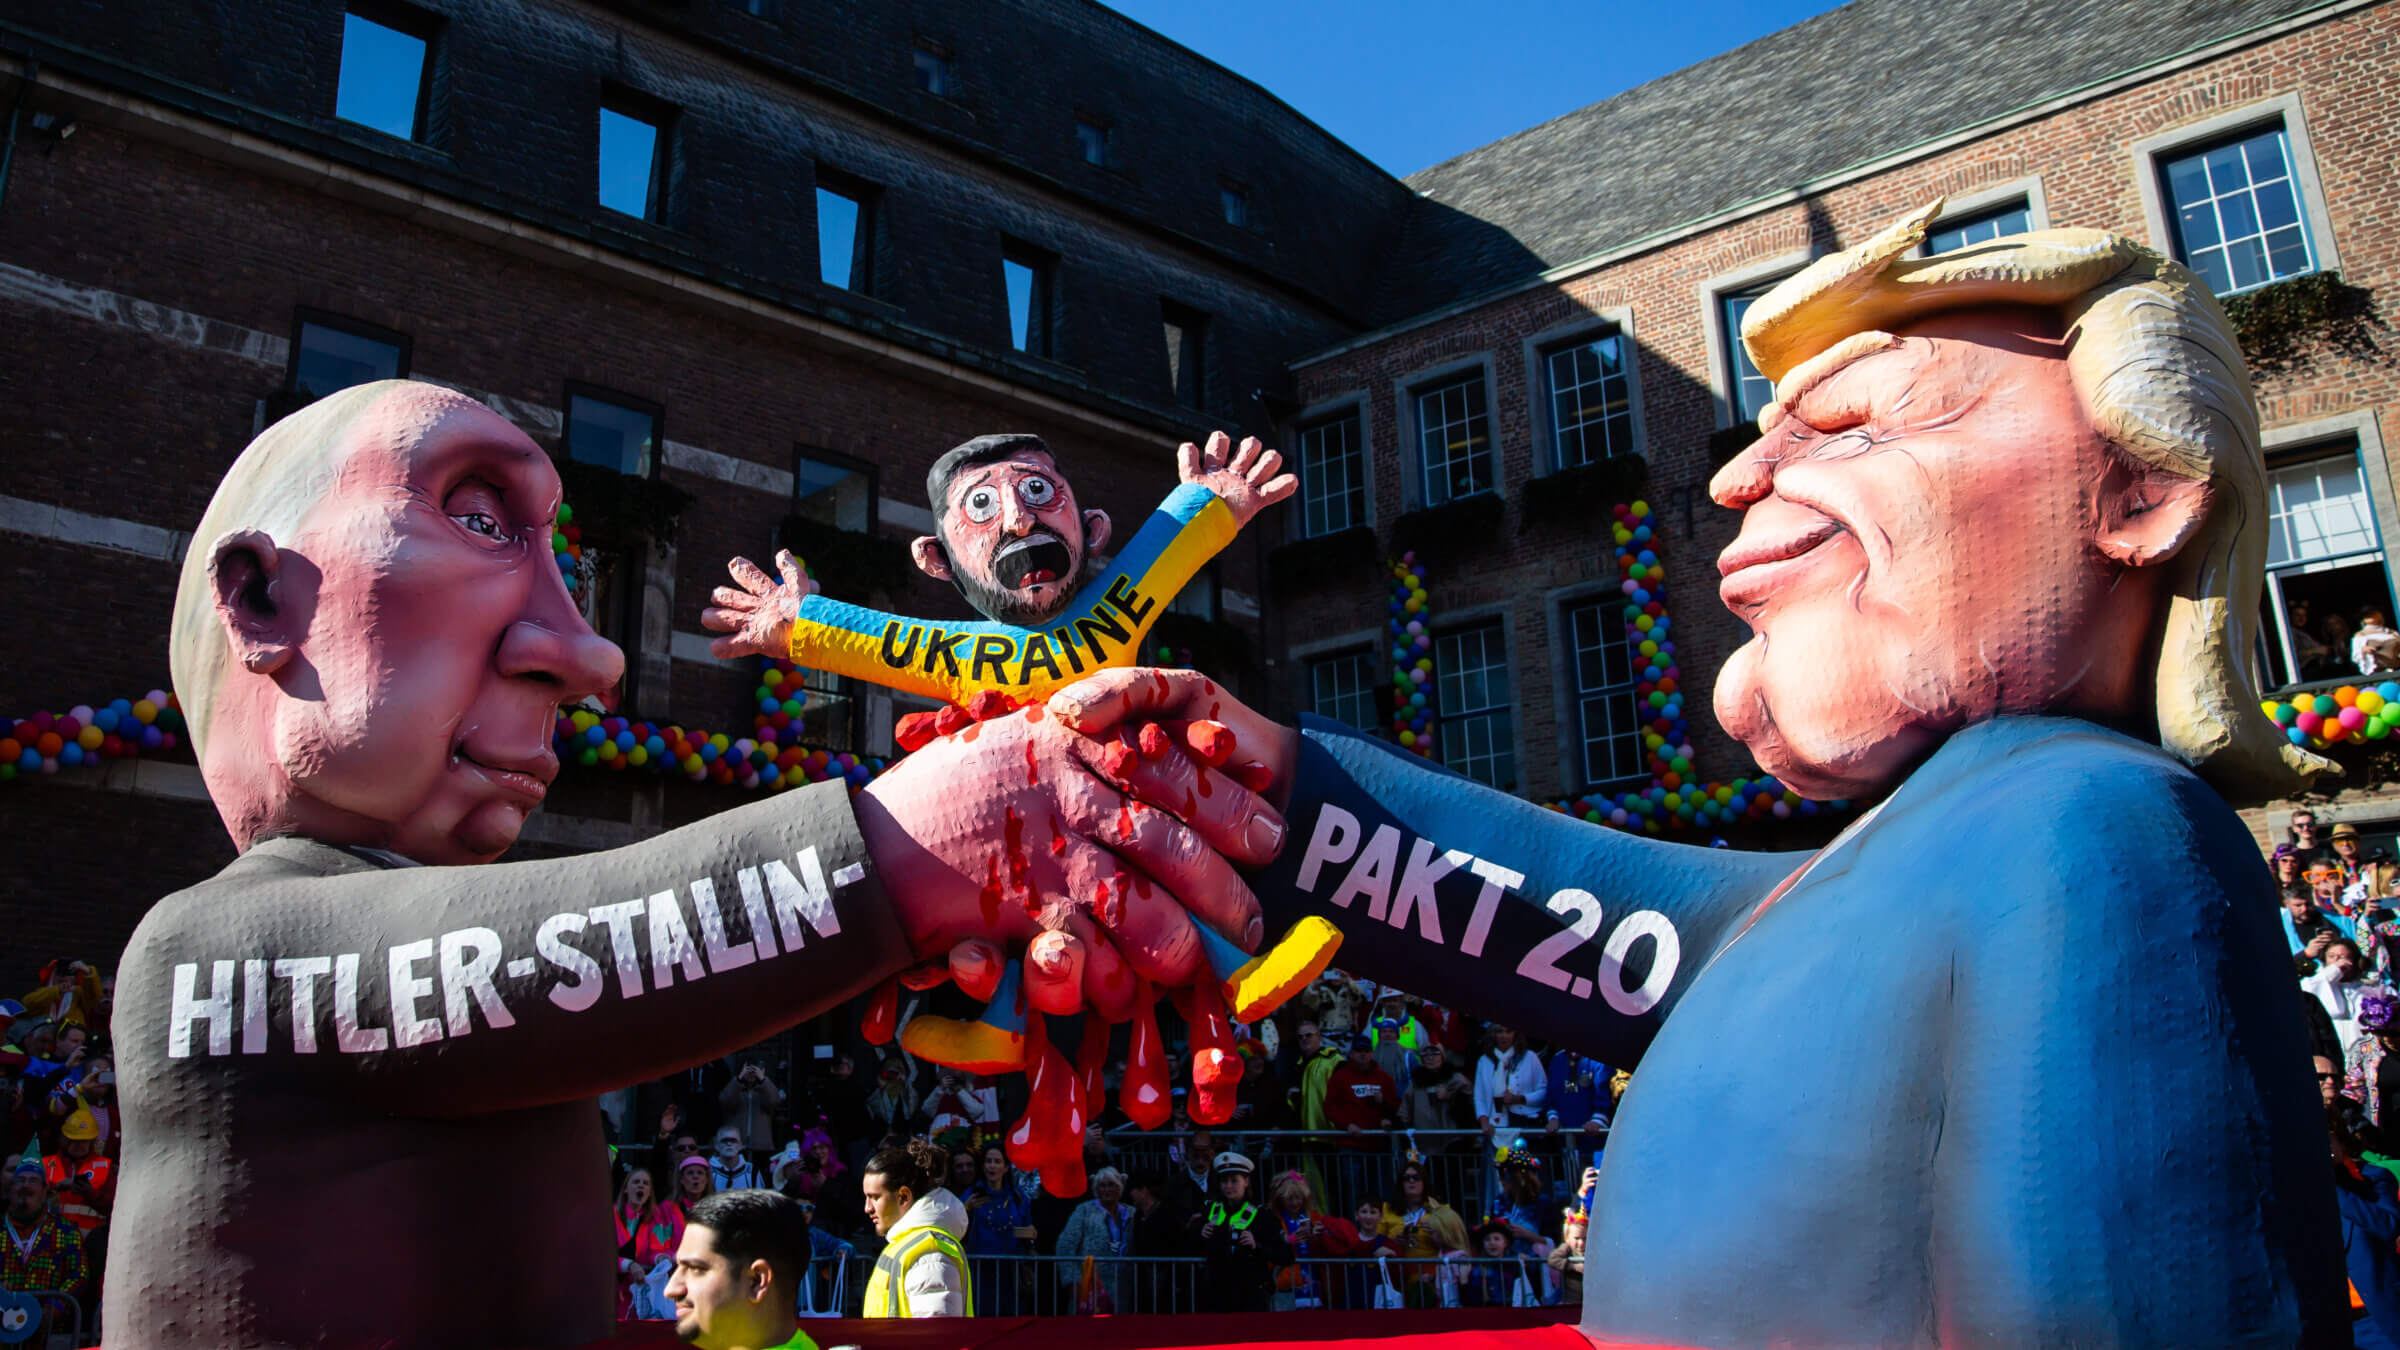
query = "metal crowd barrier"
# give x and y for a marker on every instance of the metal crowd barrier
(1050, 1286)
(73, 1335)
(1345, 1170)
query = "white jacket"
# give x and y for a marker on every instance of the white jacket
(1525, 1078)
(936, 1286)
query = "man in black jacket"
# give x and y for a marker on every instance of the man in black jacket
(1238, 1253)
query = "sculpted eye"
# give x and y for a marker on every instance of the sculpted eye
(981, 504)
(476, 506)
(1037, 491)
(480, 524)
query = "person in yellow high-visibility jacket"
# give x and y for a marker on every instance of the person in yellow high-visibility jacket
(923, 1269)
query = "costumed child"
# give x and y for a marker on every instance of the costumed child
(1493, 1281)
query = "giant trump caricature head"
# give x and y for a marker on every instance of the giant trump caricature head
(2021, 477)
(371, 637)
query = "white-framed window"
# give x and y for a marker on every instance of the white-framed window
(1344, 688)
(1333, 476)
(2325, 565)
(1590, 390)
(2234, 210)
(1981, 227)
(1748, 390)
(1454, 438)
(1472, 696)
(1608, 719)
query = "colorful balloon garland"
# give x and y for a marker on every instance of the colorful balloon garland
(770, 757)
(1676, 798)
(2350, 713)
(1411, 629)
(47, 742)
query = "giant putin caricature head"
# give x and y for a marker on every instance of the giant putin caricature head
(370, 635)
(2019, 477)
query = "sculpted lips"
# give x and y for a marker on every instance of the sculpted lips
(1030, 561)
(527, 776)
(1751, 568)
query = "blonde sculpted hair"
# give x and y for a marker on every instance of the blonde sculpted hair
(271, 487)
(2159, 371)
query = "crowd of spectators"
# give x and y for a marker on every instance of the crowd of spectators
(1372, 1124)
(59, 1133)
(2341, 918)
(2337, 646)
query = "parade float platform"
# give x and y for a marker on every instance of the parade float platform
(1444, 1329)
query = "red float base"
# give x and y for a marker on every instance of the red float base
(1450, 1329)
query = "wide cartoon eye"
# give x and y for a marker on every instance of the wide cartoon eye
(1037, 491)
(981, 503)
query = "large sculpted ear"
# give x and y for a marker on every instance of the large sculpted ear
(2151, 518)
(1095, 531)
(931, 558)
(243, 568)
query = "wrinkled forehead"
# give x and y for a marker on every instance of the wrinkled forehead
(1003, 471)
(420, 435)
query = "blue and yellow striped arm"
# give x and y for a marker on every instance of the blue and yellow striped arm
(1101, 627)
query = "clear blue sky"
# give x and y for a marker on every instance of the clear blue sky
(1410, 83)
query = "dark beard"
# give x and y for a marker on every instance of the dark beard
(1009, 607)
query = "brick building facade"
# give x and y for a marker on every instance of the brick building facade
(1186, 251)
(2071, 121)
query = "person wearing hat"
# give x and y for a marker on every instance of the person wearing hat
(2370, 1063)
(2284, 862)
(83, 1178)
(694, 1181)
(2348, 852)
(1241, 1247)
(69, 994)
(42, 1252)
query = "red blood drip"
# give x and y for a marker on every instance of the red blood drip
(1216, 1061)
(1034, 711)
(1058, 841)
(1124, 822)
(1255, 776)
(972, 730)
(1020, 866)
(1112, 903)
(1154, 740)
(1191, 808)
(917, 730)
(1033, 774)
(988, 704)
(1116, 761)
(883, 1012)
(1143, 1095)
(1047, 1072)
(1164, 687)
(1208, 686)
(1205, 789)
(951, 719)
(1091, 1057)
(1141, 887)
(989, 897)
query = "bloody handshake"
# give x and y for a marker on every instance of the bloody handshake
(1145, 744)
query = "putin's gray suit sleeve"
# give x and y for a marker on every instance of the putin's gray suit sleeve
(439, 991)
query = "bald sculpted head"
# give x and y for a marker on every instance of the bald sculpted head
(371, 639)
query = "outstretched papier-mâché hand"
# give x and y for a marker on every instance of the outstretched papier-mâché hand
(757, 614)
(1247, 483)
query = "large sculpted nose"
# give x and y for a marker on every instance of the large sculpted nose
(1015, 516)
(550, 642)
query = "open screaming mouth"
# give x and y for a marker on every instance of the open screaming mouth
(1030, 561)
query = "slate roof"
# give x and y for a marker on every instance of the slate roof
(1849, 86)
